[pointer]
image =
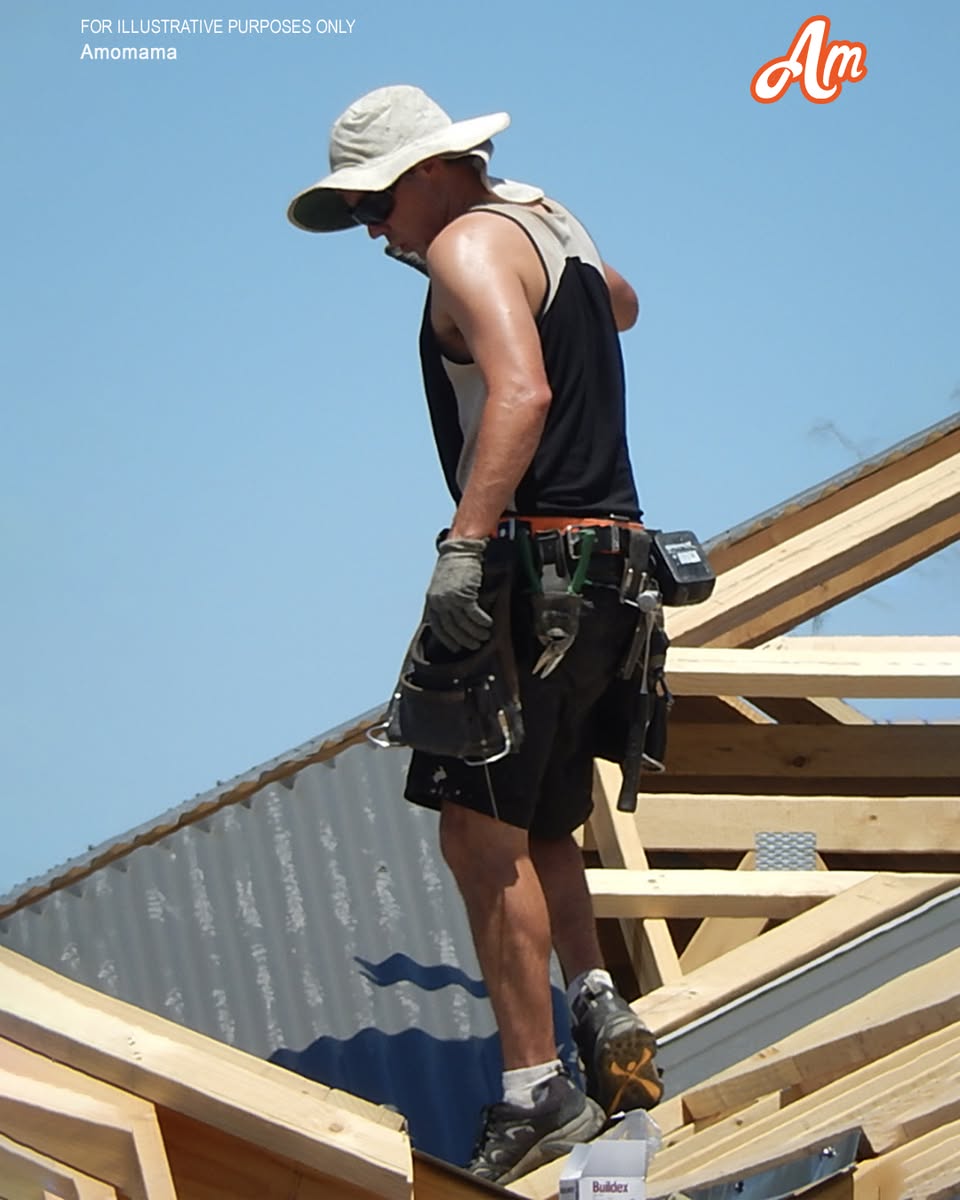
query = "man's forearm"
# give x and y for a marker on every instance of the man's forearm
(509, 435)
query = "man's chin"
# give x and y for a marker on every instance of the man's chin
(410, 257)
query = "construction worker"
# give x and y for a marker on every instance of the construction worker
(524, 381)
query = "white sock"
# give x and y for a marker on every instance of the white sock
(593, 981)
(519, 1083)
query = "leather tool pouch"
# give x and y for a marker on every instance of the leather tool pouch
(631, 719)
(627, 708)
(462, 706)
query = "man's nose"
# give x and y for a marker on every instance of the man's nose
(376, 231)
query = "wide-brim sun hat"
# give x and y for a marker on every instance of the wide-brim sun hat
(384, 134)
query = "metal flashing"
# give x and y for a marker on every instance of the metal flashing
(759, 1018)
(831, 1157)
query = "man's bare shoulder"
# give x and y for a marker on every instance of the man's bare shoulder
(479, 235)
(487, 251)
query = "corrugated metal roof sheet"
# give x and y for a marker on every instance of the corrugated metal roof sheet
(319, 749)
(312, 922)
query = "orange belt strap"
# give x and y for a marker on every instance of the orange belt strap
(543, 524)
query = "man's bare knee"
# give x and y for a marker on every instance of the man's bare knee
(474, 844)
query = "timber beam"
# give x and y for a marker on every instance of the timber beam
(815, 751)
(798, 671)
(714, 893)
(821, 566)
(841, 824)
(837, 495)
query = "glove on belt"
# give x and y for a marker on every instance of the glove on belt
(452, 609)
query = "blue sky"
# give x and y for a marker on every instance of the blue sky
(218, 492)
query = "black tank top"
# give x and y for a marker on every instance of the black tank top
(581, 466)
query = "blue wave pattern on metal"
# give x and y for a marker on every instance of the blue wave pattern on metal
(314, 924)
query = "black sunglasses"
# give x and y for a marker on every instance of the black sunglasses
(373, 208)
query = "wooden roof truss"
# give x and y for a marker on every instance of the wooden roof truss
(763, 741)
(99, 1100)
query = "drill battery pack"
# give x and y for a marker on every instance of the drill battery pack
(679, 564)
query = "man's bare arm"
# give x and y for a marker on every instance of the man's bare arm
(626, 306)
(485, 275)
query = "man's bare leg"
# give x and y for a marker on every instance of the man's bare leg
(508, 914)
(559, 865)
(616, 1047)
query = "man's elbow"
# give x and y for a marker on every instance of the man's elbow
(626, 306)
(623, 299)
(531, 407)
(539, 401)
(531, 399)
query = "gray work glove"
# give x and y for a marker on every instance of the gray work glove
(452, 611)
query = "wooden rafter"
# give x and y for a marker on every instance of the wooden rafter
(858, 644)
(810, 572)
(717, 935)
(28, 1175)
(897, 1013)
(714, 893)
(813, 710)
(903, 1098)
(849, 824)
(210, 1164)
(929, 1165)
(836, 496)
(798, 783)
(877, 1180)
(97, 1129)
(723, 710)
(805, 514)
(321, 1131)
(788, 946)
(614, 834)
(815, 751)
(830, 710)
(903, 1095)
(798, 671)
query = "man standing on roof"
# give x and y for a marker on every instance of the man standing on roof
(524, 380)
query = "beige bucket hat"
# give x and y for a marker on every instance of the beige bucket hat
(384, 134)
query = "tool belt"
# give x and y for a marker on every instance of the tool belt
(649, 569)
(467, 706)
(464, 706)
(580, 550)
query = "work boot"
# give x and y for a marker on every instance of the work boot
(617, 1051)
(515, 1140)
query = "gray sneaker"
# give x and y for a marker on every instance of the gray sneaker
(514, 1141)
(617, 1052)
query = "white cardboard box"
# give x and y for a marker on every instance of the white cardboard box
(607, 1169)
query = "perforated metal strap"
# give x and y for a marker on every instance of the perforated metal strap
(786, 851)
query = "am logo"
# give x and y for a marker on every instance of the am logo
(820, 66)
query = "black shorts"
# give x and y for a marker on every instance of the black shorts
(546, 786)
